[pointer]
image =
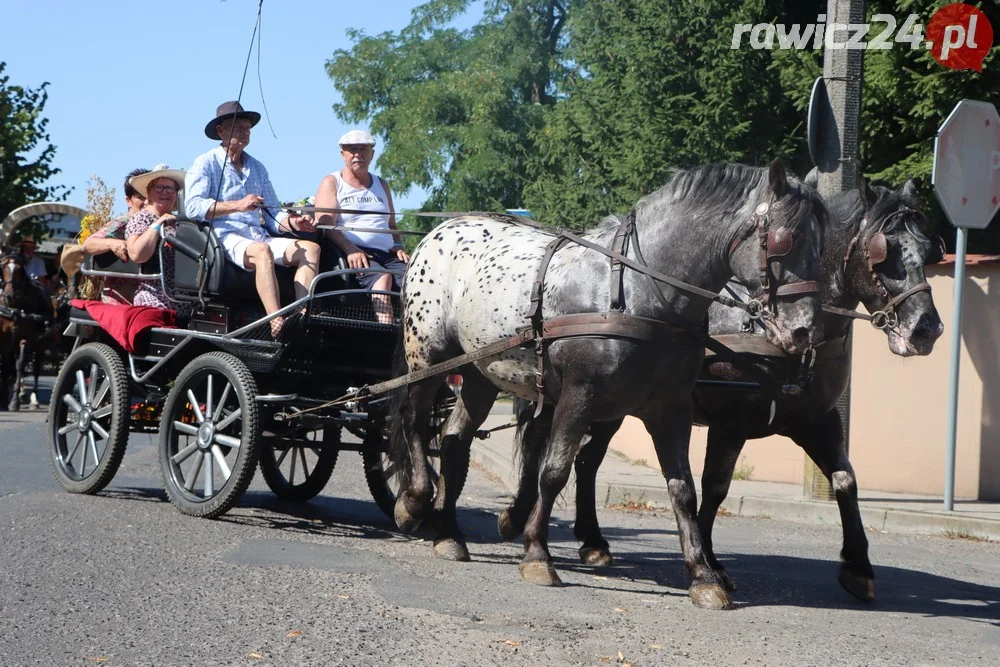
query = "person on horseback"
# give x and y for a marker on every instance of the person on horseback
(232, 190)
(355, 187)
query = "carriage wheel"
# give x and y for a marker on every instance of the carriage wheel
(299, 471)
(88, 419)
(209, 434)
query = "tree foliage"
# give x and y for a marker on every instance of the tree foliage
(577, 108)
(25, 152)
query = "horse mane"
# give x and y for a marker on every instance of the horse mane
(846, 206)
(724, 188)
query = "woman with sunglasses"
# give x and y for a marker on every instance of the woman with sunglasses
(142, 233)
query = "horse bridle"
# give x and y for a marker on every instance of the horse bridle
(774, 244)
(875, 252)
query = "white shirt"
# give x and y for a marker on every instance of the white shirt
(372, 198)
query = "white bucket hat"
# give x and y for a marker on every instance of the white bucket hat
(356, 137)
(142, 181)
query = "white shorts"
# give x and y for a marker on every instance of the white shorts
(236, 248)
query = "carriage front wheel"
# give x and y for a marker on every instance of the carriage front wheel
(88, 418)
(297, 470)
(209, 434)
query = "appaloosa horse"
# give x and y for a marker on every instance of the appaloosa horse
(23, 312)
(875, 252)
(471, 281)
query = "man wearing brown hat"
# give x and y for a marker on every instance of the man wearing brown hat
(232, 190)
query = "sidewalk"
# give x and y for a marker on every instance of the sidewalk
(622, 482)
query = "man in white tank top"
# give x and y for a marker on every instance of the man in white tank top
(357, 189)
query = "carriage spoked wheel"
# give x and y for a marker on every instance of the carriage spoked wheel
(88, 418)
(298, 470)
(385, 479)
(209, 433)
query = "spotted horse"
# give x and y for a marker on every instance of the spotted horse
(476, 280)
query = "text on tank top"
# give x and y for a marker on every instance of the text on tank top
(373, 199)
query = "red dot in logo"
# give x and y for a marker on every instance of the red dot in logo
(995, 200)
(960, 36)
(965, 200)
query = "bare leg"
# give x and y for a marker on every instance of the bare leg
(823, 441)
(471, 410)
(381, 303)
(15, 399)
(568, 429)
(724, 447)
(511, 521)
(595, 549)
(670, 428)
(305, 256)
(260, 260)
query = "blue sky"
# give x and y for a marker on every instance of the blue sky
(133, 84)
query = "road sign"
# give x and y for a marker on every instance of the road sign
(966, 173)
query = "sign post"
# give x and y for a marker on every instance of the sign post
(966, 180)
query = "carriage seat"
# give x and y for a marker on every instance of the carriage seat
(225, 280)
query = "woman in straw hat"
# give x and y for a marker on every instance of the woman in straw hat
(143, 231)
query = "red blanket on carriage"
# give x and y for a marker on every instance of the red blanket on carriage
(126, 323)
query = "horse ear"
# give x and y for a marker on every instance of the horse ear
(868, 196)
(812, 178)
(777, 178)
(910, 190)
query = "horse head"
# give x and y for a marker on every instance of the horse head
(884, 266)
(11, 274)
(775, 254)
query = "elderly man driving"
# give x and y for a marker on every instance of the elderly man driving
(232, 190)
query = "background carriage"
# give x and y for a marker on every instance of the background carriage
(223, 394)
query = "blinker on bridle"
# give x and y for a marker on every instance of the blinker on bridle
(774, 244)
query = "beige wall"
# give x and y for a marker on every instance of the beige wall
(899, 407)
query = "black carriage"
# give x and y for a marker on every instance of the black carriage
(223, 393)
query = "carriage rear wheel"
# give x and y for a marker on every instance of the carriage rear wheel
(88, 419)
(299, 470)
(209, 435)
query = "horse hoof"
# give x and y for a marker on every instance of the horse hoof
(449, 549)
(709, 596)
(405, 521)
(596, 557)
(539, 573)
(726, 580)
(508, 533)
(860, 586)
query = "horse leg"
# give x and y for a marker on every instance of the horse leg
(38, 357)
(471, 410)
(15, 399)
(531, 446)
(721, 455)
(823, 441)
(414, 502)
(670, 429)
(568, 429)
(595, 550)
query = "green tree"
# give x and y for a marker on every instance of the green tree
(25, 152)
(455, 107)
(906, 96)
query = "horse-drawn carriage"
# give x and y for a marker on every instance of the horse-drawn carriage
(224, 393)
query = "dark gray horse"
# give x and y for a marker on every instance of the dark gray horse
(469, 284)
(23, 311)
(875, 252)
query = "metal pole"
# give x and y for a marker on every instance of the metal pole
(956, 355)
(840, 136)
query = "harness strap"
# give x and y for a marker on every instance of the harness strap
(620, 245)
(537, 321)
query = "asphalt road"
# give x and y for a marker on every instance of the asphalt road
(122, 578)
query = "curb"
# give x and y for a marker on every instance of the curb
(875, 517)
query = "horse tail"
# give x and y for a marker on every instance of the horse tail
(397, 404)
(524, 411)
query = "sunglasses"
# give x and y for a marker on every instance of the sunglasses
(165, 188)
(355, 148)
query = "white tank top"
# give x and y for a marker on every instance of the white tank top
(364, 199)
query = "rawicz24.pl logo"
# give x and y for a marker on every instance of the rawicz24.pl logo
(959, 36)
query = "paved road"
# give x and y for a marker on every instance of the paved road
(124, 579)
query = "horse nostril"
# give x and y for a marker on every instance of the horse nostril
(928, 329)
